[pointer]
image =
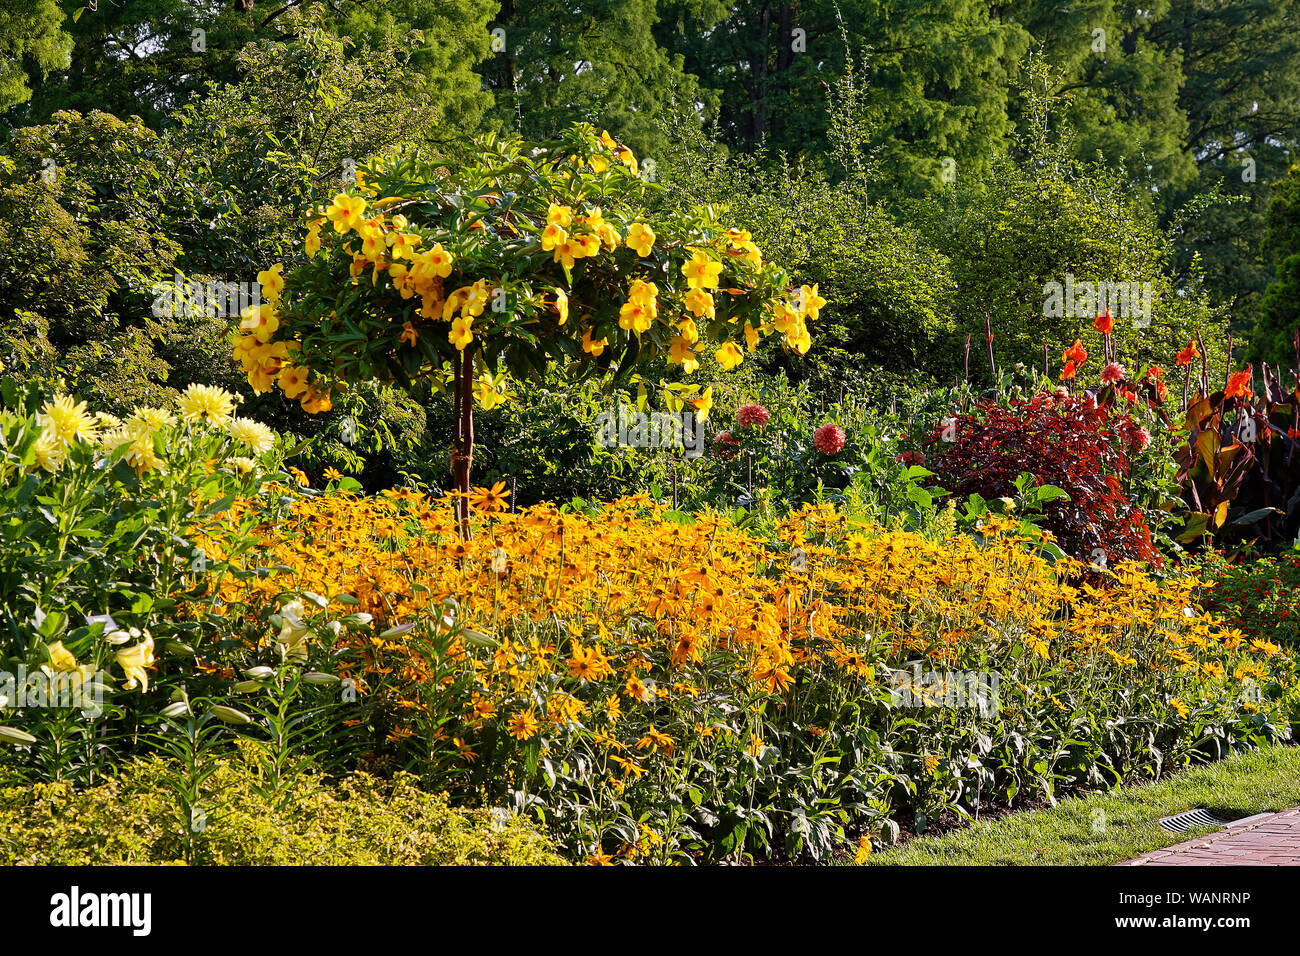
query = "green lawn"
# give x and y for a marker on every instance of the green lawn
(1106, 828)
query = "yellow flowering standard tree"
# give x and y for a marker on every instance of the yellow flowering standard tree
(537, 252)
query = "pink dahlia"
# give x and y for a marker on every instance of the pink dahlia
(910, 457)
(748, 416)
(1114, 372)
(725, 445)
(1135, 436)
(829, 439)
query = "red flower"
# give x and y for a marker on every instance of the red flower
(910, 457)
(1104, 323)
(747, 416)
(829, 439)
(1069, 370)
(1114, 372)
(1076, 353)
(1186, 355)
(1239, 384)
(725, 445)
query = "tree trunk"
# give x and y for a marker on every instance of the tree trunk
(758, 119)
(462, 450)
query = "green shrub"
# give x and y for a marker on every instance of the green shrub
(359, 820)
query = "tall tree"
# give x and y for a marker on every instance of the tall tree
(1273, 338)
(149, 57)
(557, 62)
(31, 38)
(934, 74)
(1241, 97)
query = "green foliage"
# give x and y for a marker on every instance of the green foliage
(545, 444)
(1273, 339)
(149, 57)
(80, 245)
(247, 158)
(599, 62)
(357, 820)
(30, 34)
(890, 293)
(100, 545)
(1015, 241)
(934, 76)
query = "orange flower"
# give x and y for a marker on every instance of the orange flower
(1104, 323)
(1186, 355)
(1239, 384)
(1069, 371)
(1076, 353)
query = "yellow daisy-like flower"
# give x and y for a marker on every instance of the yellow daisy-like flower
(495, 498)
(200, 403)
(251, 434)
(523, 725)
(67, 419)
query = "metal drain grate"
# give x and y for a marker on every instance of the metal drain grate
(1190, 819)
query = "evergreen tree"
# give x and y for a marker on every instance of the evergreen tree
(934, 76)
(1279, 318)
(150, 57)
(556, 62)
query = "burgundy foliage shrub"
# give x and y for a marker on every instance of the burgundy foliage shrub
(1061, 440)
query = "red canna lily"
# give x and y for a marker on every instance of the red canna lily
(1104, 323)
(1076, 353)
(1186, 355)
(1069, 370)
